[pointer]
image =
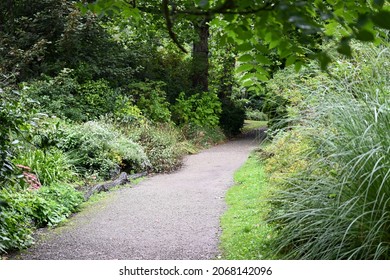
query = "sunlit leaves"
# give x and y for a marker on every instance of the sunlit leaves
(245, 58)
(111, 8)
(245, 67)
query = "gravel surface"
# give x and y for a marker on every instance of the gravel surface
(169, 216)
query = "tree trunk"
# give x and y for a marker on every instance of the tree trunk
(200, 55)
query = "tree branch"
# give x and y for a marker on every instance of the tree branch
(169, 23)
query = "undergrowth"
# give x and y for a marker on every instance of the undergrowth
(331, 168)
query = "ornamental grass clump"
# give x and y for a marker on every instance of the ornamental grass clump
(339, 206)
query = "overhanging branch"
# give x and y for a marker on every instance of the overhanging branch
(169, 23)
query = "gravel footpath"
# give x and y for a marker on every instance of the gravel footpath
(169, 216)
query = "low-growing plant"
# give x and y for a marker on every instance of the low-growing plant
(25, 210)
(51, 166)
(15, 226)
(52, 204)
(163, 144)
(203, 137)
(97, 147)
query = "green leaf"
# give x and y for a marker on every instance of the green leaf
(298, 66)
(263, 59)
(382, 19)
(290, 60)
(244, 47)
(245, 58)
(244, 67)
(247, 76)
(261, 77)
(274, 44)
(247, 83)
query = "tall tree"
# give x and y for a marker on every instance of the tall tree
(266, 26)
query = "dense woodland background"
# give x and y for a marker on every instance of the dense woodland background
(92, 88)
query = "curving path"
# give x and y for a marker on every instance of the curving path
(169, 216)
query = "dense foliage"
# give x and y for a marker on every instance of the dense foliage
(335, 162)
(92, 88)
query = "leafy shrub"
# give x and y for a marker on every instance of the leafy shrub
(15, 118)
(126, 111)
(232, 117)
(15, 226)
(201, 109)
(64, 96)
(52, 204)
(57, 96)
(203, 137)
(163, 145)
(151, 99)
(25, 210)
(97, 98)
(96, 146)
(51, 166)
(284, 95)
(287, 156)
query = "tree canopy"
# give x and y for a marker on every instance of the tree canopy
(286, 27)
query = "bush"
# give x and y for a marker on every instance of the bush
(99, 147)
(232, 117)
(163, 144)
(15, 226)
(65, 97)
(201, 109)
(24, 210)
(51, 166)
(15, 117)
(57, 96)
(203, 137)
(150, 98)
(96, 98)
(53, 204)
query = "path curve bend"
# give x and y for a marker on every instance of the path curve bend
(168, 216)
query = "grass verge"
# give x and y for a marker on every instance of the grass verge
(245, 234)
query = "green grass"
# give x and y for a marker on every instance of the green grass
(251, 125)
(245, 234)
